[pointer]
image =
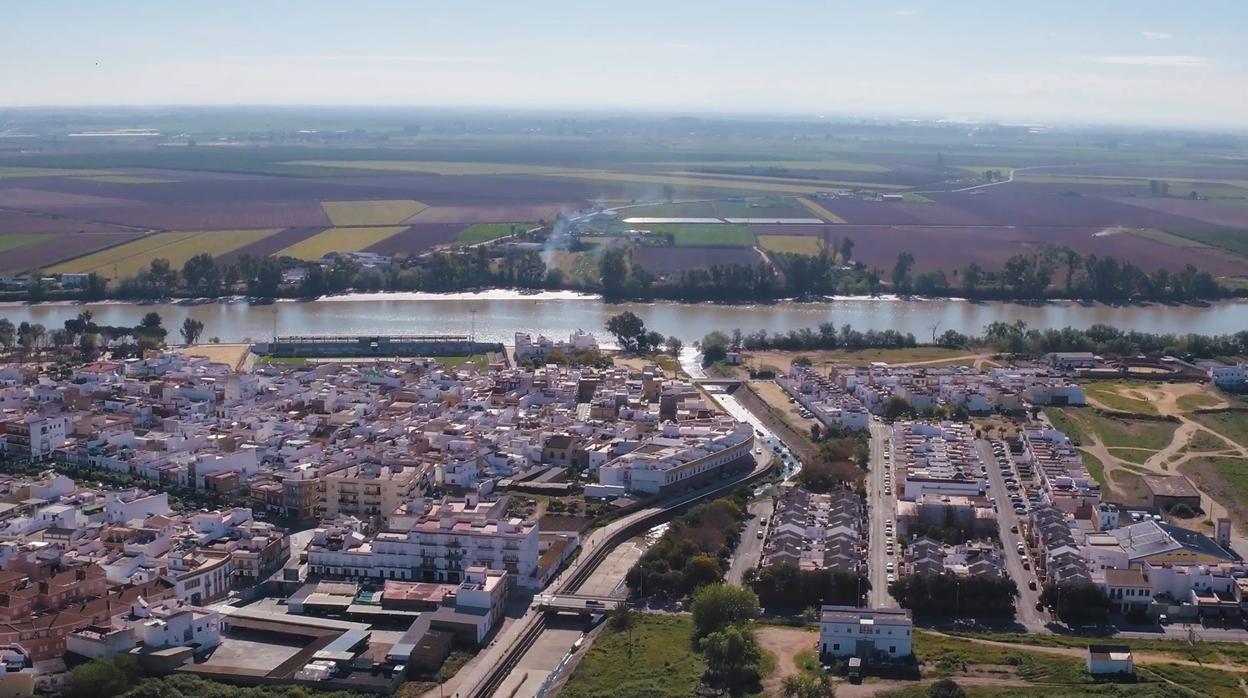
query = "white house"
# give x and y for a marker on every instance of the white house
(847, 631)
(1110, 659)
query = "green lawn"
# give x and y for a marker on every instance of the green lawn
(686, 235)
(456, 361)
(12, 242)
(483, 232)
(912, 198)
(662, 663)
(1232, 425)
(1095, 468)
(1132, 455)
(1234, 471)
(284, 361)
(1105, 393)
(1208, 652)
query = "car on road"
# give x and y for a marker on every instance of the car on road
(888, 567)
(1021, 548)
(891, 578)
(1014, 528)
(889, 550)
(1031, 584)
(760, 533)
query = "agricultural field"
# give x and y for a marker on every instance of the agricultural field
(796, 244)
(131, 258)
(339, 240)
(391, 212)
(1232, 425)
(771, 207)
(1092, 199)
(820, 211)
(662, 260)
(484, 232)
(709, 235)
(12, 242)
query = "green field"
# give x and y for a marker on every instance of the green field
(483, 232)
(1190, 403)
(797, 244)
(766, 207)
(129, 259)
(386, 212)
(1115, 433)
(1165, 238)
(662, 662)
(1105, 392)
(479, 360)
(817, 165)
(1095, 468)
(14, 241)
(1232, 425)
(338, 240)
(1232, 240)
(121, 179)
(913, 198)
(1205, 651)
(685, 235)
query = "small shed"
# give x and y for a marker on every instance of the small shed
(1110, 660)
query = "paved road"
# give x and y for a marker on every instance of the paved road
(471, 677)
(751, 546)
(1009, 522)
(882, 508)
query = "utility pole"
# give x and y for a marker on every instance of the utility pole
(472, 332)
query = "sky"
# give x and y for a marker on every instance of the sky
(1109, 61)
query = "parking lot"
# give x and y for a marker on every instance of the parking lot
(1010, 490)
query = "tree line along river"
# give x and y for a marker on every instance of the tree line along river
(496, 315)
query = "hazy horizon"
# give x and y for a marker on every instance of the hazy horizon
(1128, 63)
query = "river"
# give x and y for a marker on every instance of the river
(497, 315)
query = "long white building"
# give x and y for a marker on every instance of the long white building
(682, 455)
(431, 542)
(847, 631)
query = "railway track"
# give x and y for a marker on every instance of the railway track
(536, 624)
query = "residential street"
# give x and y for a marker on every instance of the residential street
(751, 546)
(1008, 521)
(881, 509)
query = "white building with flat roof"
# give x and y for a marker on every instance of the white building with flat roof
(847, 631)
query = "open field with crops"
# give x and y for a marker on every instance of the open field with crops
(697, 235)
(131, 258)
(797, 244)
(389, 212)
(339, 240)
(460, 188)
(671, 260)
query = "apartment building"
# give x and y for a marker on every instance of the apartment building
(681, 456)
(370, 490)
(431, 541)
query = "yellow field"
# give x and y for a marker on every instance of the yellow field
(8, 172)
(694, 179)
(819, 210)
(387, 212)
(120, 179)
(338, 240)
(797, 244)
(441, 168)
(133, 257)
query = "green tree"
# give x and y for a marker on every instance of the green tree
(901, 272)
(702, 570)
(718, 606)
(191, 330)
(8, 333)
(847, 250)
(673, 345)
(100, 679)
(629, 331)
(613, 272)
(732, 654)
(895, 408)
(95, 287)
